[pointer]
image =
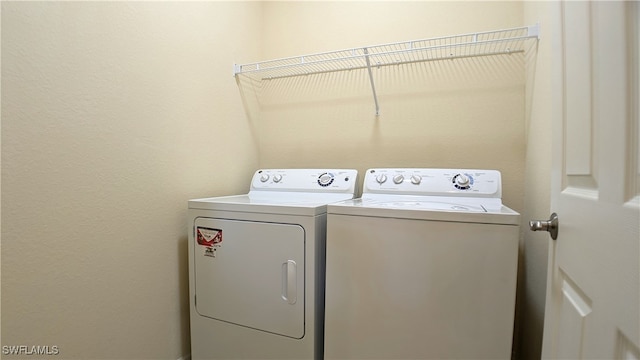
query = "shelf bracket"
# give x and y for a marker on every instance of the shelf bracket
(373, 86)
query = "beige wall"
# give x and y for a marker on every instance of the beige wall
(113, 115)
(534, 248)
(477, 112)
(466, 113)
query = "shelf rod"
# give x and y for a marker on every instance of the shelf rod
(505, 52)
(531, 32)
(373, 87)
(414, 49)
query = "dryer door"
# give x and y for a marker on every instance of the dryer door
(251, 274)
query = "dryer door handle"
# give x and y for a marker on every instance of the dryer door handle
(289, 282)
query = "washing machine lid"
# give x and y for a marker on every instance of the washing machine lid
(287, 192)
(460, 195)
(428, 208)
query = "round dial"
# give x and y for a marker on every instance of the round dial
(381, 178)
(462, 181)
(277, 178)
(398, 179)
(264, 177)
(416, 179)
(325, 179)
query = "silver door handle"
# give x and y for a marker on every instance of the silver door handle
(550, 225)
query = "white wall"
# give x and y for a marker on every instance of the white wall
(114, 114)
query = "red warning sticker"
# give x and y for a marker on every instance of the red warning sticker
(208, 236)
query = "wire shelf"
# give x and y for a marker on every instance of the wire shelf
(449, 47)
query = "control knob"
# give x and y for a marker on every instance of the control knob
(381, 178)
(462, 180)
(325, 179)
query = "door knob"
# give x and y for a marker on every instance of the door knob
(550, 225)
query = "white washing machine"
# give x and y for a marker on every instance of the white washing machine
(423, 266)
(257, 264)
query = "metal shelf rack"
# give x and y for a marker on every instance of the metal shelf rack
(506, 41)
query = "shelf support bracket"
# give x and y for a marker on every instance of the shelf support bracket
(373, 86)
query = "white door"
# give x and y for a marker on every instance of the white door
(250, 274)
(593, 293)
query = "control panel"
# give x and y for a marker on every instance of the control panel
(307, 180)
(434, 182)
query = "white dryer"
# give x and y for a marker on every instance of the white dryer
(257, 264)
(423, 266)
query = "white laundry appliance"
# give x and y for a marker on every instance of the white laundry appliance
(257, 265)
(423, 266)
